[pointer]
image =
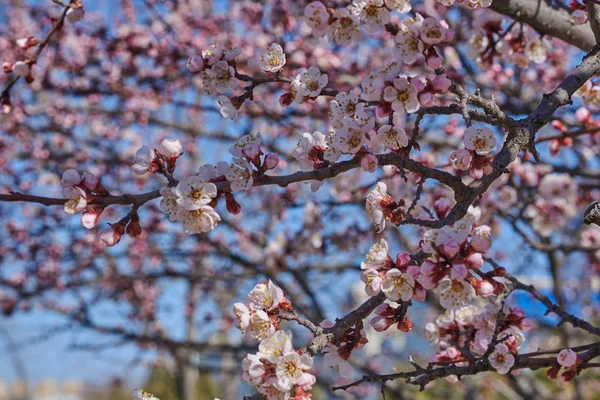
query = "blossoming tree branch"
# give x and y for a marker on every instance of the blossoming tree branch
(440, 155)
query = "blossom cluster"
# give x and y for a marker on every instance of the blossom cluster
(488, 39)
(569, 361)
(278, 371)
(257, 316)
(479, 142)
(193, 201)
(397, 280)
(473, 328)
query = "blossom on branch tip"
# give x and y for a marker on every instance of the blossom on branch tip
(170, 148)
(271, 59)
(21, 69)
(372, 14)
(144, 158)
(226, 108)
(567, 358)
(75, 15)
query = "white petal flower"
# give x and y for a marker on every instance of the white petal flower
(143, 159)
(290, 368)
(317, 18)
(203, 219)
(346, 27)
(335, 362)
(275, 346)
(222, 77)
(537, 49)
(402, 6)
(377, 256)
(402, 95)
(265, 296)
(408, 46)
(480, 140)
(372, 14)
(21, 69)
(309, 83)
(502, 359)
(77, 199)
(226, 108)
(195, 193)
(70, 178)
(168, 203)
(373, 205)
(391, 137)
(397, 285)
(271, 59)
(454, 293)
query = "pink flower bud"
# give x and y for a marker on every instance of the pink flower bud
(384, 310)
(583, 115)
(450, 248)
(195, 63)
(381, 324)
(580, 17)
(251, 151)
(402, 259)
(383, 109)
(70, 178)
(75, 15)
(90, 181)
(419, 83)
(7, 67)
(474, 260)
(90, 216)
(558, 125)
(271, 161)
(567, 358)
(21, 69)
(232, 205)
(483, 288)
(427, 99)
(481, 238)
(369, 162)
(111, 236)
(442, 207)
(441, 83)
(170, 148)
(286, 99)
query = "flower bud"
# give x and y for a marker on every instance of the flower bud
(232, 205)
(369, 162)
(381, 324)
(75, 15)
(21, 69)
(90, 216)
(251, 151)
(90, 181)
(170, 148)
(195, 63)
(442, 207)
(111, 236)
(286, 99)
(70, 178)
(271, 161)
(7, 67)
